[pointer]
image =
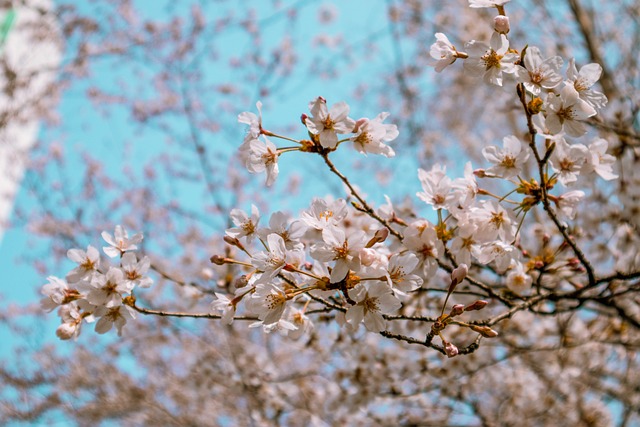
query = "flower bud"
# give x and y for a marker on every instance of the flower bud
(303, 119)
(241, 281)
(485, 331)
(459, 274)
(66, 331)
(480, 173)
(477, 305)
(368, 256)
(380, 236)
(451, 350)
(233, 242)
(457, 310)
(501, 24)
(218, 260)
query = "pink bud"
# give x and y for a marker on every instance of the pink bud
(451, 350)
(480, 173)
(501, 24)
(380, 236)
(303, 118)
(456, 310)
(218, 260)
(477, 305)
(241, 282)
(485, 331)
(459, 273)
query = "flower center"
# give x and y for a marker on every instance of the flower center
(370, 304)
(491, 60)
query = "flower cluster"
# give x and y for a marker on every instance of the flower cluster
(323, 126)
(94, 291)
(366, 265)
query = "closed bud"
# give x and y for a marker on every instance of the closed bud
(459, 273)
(66, 331)
(218, 260)
(485, 331)
(477, 305)
(380, 236)
(501, 24)
(451, 350)
(231, 241)
(457, 310)
(480, 173)
(303, 119)
(241, 282)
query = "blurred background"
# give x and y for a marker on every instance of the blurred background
(125, 112)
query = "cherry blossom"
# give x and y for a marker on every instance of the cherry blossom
(263, 156)
(539, 73)
(509, 161)
(599, 161)
(583, 80)
(371, 135)
(245, 225)
(490, 61)
(567, 112)
(328, 123)
(372, 302)
(120, 242)
(443, 52)
(88, 263)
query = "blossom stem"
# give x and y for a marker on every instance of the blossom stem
(275, 135)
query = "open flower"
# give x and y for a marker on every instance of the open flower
(371, 136)
(583, 80)
(107, 289)
(567, 111)
(135, 271)
(539, 73)
(245, 225)
(345, 251)
(509, 161)
(113, 316)
(518, 280)
(443, 52)
(263, 156)
(371, 303)
(270, 263)
(327, 124)
(254, 122)
(120, 242)
(490, 61)
(268, 302)
(568, 160)
(87, 263)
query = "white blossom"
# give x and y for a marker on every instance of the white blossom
(567, 112)
(263, 156)
(372, 302)
(327, 124)
(490, 61)
(120, 242)
(508, 162)
(583, 80)
(371, 135)
(245, 225)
